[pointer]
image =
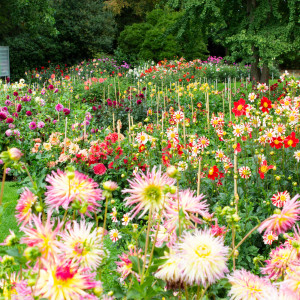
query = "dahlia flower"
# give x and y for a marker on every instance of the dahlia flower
(147, 191)
(269, 238)
(64, 280)
(280, 259)
(125, 265)
(280, 198)
(170, 271)
(283, 221)
(247, 286)
(190, 205)
(202, 257)
(24, 207)
(291, 282)
(81, 243)
(114, 235)
(62, 191)
(43, 236)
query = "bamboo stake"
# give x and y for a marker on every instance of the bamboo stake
(184, 136)
(129, 127)
(65, 147)
(236, 196)
(199, 176)
(84, 131)
(114, 128)
(119, 130)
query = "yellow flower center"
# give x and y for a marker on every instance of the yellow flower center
(282, 198)
(263, 169)
(211, 171)
(290, 142)
(266, 105)
(203, 251)
(240, 107)
(276, 142)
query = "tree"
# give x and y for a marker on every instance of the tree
(259, 32)
(85, 29)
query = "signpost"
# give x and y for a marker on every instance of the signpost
(4, 62)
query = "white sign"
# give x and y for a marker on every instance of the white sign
(4, 62)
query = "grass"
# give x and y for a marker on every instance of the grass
(7, 213)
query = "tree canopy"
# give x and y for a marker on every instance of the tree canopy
(256, 31)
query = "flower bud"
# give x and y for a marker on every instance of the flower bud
(110, 185)
(172, 172)
(32, 253)
(173, 189)
(7, 261)
(31, 282)
(15, 154)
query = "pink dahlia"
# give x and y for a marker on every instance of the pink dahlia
(283, 220)
(24, 207)
(245, 285)
(146, 190)
(190, 205)
(82, 243)
(280, 259)
(62, 191)
(64, 279)
(43, 236)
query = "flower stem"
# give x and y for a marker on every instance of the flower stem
(156, 234)
(104, 222)
(147, 242)
(3, 181)
(244, 238)
(179, 225)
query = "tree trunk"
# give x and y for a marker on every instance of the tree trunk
(265, 74)
(255, 70)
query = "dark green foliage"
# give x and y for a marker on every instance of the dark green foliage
(85, 29)
(158, 38)
(60, 31)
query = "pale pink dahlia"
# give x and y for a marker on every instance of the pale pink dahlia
(43, 236)
(170, 271)
(82, 243)
(283, 220)
(64, 279)
(147, 191)
(191, 206)
(202, 257)
(247, 286)
(62, 191)
(24, 207)
(291, 283)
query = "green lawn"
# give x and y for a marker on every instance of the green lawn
(7, 216)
